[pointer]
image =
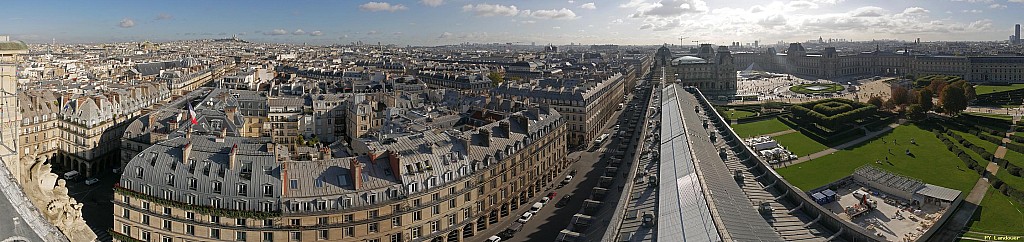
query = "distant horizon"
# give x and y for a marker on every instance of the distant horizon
(448, 22)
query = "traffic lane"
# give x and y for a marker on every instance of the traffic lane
(550, 221)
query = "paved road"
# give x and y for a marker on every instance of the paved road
(548, 223)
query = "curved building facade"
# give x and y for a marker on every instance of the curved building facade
(438, 185)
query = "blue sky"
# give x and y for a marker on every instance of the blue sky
(433, 22)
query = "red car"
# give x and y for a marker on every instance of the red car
(552, 195)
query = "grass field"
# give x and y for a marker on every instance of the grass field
(975, 155)
(760, 128)
(992, 115)
(986, 89)
(803, 89)
(733, 114)
(999, 215)
(989, 146)
(1014, 157)
(800, 144)
(931, 162)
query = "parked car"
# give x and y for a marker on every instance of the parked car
(91, 181)
(494, 239)
(551, 195)
(565, 200)
(567, 179)
(536, 207)
(525, 218)
(545, 200)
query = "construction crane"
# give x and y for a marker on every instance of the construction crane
(681, 38)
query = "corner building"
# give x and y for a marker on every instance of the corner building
(437, 185)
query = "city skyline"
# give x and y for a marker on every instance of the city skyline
(441, 22)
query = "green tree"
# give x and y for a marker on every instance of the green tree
(924, 98)
(937, 85)
(953, 100)
(876, 101)
(496, 77)
(900, 96)
(916, 111)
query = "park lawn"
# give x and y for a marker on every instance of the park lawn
(932, 162)
(733, 114)
(1015, 158)
(989, 146)
(1011, 180)
(799, 144)
(986, 89)
(992, 115)
(760, 128)
(999, 215)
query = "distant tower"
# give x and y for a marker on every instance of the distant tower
(1016, 34)
(10, 115)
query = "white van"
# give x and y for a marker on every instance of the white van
(71, 175)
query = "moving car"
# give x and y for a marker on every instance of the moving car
(565, 200)
(91, 181)
(525, 218)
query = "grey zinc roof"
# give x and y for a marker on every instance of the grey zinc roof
(206, 160)
(938, 192)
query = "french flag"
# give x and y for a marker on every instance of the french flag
(192, 114)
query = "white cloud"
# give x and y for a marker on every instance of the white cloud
(316, 33)
(276, 32)
(772, 21)
(382, 6)
(556, 27)
(796, 5)
(869, 11)
(487, 10)
(563, 14)
(972, 11)
(915, 10)
(827, 1)
(617, 21)
(977, 1)
(667, 8)
(126, 23)
(445, 35)
(299, 32)
(163, 16)
(432, 3)
(997, 6)
(372, 32)
(1016, 1)
(590, 6)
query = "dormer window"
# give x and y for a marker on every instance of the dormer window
(243, 190)
(191, 183)
(170, 179)
(268, 190)
(216, 187)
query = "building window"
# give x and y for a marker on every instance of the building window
(170, 180)
(433, 226)
(243, 190)
(293, 184)
(451, 220)
(126, 230)
(436, 209)
(396, 221)
(126, 213)
(240, 222)
(268, 206)
(192, 183)
(215, 233)
(190, 229)
(416, 232)
(215, 202)
(190, 216)
(268, 223)
(144, 235)
(372, 213)
(372, 227)
(346, 218)
(295, 222)
(349, 231)
(145, 219)
(216, 187)
(145, 205)
(324, 235)
(296, 236)
(396, 237)
(241, 205)
(239, 235)
(167, 225)
(167, 210)
(268, 190)
(268, 236)
(214, 219)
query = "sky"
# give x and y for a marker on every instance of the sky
(440, 22)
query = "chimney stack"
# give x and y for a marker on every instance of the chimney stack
(185, 151)
(485, 136)
(233, 157)
(231, 112)
(395, 162)
(356, 171)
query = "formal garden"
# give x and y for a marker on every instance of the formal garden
(816, 88)
(948, 148)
